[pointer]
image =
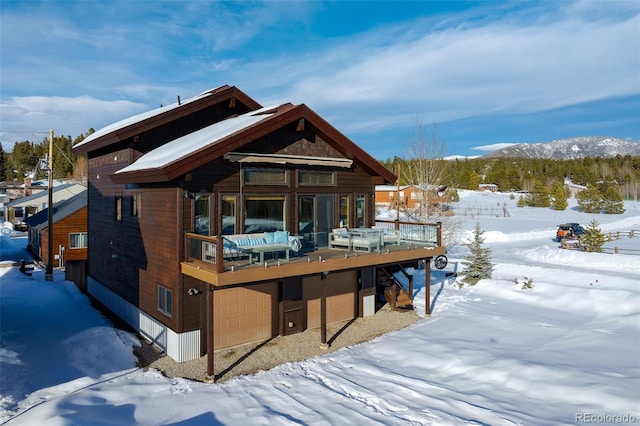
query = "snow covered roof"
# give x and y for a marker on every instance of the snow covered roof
(140, 117)
(61, 210)
(136, 124)
(189, 144)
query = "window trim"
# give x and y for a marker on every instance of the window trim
(85, 240)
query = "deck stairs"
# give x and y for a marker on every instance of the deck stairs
(397, 295)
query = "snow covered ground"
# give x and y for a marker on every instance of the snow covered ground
(566, 351)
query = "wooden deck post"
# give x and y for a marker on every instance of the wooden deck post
(209, 331)
(427, 286)
(219, 254)
(323, 311)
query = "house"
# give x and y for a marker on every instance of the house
(491, 187)
(18, 210)
(170, 188)
(411, 197)
(407, 196)
(69, 230)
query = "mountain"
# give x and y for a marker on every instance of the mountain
(571, 148)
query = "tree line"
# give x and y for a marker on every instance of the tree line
(530, 174)
(25, 159)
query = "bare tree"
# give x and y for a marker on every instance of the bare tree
(426, 169)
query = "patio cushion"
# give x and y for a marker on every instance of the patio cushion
(281, 237)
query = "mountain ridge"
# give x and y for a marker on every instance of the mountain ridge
(571, 148)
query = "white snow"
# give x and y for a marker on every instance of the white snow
(129, 121)
(566, 351)
(189, 144)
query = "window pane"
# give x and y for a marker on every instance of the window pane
(169, 302)
(265, 176)
(315, 177)
(344, 211)
(305, 214)
(228, 214)
(360, 210)
(161, 302)
(202, 215)
(264, 214)
(118, 207)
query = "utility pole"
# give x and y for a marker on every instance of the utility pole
(48, 276)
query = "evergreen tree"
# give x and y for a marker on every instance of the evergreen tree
(593, 239)
(612, 202)
(539, 196)
(559, 197)
(478, 262)
(589, 200)
(474, 180)
(3, 164)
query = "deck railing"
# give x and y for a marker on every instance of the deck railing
(204, 249)
(418, 232)
(210, 249)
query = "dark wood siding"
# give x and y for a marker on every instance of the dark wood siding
(222, 177)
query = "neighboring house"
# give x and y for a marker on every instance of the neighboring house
(164, 186)
(574, 188)
(18, 210)
(491, 187)
(69, 231)
(408, 196)
(411, 197)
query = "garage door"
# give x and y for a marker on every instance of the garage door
(244, 314)
(340, 290)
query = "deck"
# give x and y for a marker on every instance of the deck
(227, 272)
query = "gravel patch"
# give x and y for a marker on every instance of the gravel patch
(252, 358)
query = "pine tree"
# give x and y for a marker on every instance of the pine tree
(612, 201)
(559, 197)
(478, 262)
(539, 196)
(593, 239)
(3, 164)
(589, 200)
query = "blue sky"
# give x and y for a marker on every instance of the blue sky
(483, 73)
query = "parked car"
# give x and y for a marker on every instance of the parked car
(569, 231)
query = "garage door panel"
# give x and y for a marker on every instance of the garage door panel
(244, 314)
(340, 288)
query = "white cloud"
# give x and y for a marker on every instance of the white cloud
(31, 117)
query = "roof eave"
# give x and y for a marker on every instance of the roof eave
(217, 95)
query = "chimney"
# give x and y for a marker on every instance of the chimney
(27, 186)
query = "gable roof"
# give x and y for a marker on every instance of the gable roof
(60, 211)
(145, 121)
(60, 192)
(188, 152)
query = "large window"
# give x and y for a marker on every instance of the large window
(264, 213)
(255, 176)
(316, 177)
(228, 211)
(78, 240)
(202, 215)
(165, 300)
